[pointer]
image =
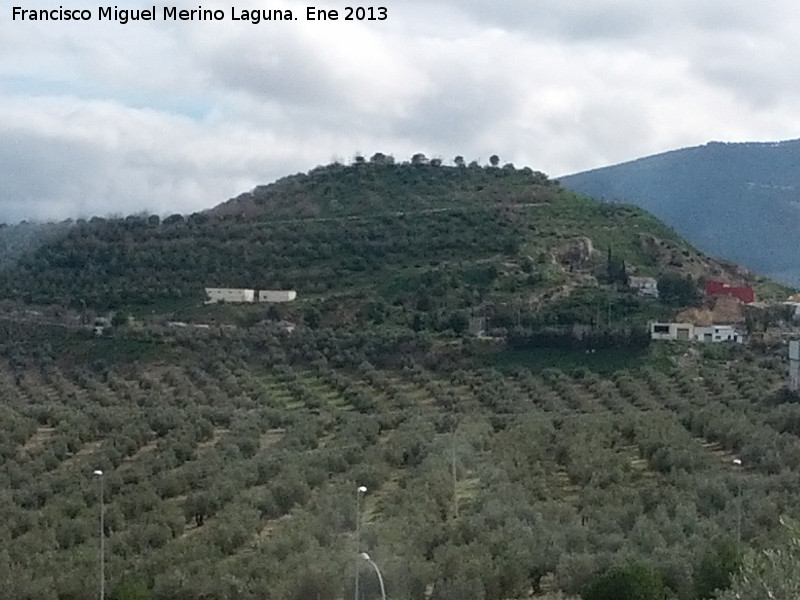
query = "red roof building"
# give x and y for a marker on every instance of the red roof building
(744, 293)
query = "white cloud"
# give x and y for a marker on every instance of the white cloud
(99, 118)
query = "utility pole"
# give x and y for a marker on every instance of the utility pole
(99, 474)
(359, 492)
(737, 464)
(455, 472)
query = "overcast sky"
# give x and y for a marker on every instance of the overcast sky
(99, 118)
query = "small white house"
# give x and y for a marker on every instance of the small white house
(101, 325)
(718, 333)
(276, 295)
(229, 295)
(644, 286)
(689, 332)
(796, 308)
(672, 331)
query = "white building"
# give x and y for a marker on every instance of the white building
(644, 286)
(101, 325)
(229, 295)
(672, 331)
(795, 307)
(718, 333)
(276, 295)
(690, 332)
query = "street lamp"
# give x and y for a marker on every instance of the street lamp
(366, 557)
(737, 463)
(359, 491)
(99, 474)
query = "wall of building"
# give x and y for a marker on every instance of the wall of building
(229, 295)
(744, 293)
(276, 295)
(645, 286)
(689, 332)
(718, 333)
(672, 331)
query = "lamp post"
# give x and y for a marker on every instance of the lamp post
(366, 557)
(737, 463)
(99, 474)
(359, 491)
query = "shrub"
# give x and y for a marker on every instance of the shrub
(630, 582)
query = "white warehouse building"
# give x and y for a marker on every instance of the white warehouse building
(690, 332)
(276, 295)
(229, 295)
(718, 333)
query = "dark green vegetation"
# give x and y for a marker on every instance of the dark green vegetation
(560, 453)
(737, 201)
(413, 245)
(772, 573)
(263, 439)
(18, 240)
(632, 582)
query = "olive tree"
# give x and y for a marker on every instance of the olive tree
(770, 574)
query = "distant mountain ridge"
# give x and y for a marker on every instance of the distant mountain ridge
(739, 201)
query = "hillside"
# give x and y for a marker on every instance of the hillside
(23, 238)
(384, 242)
(737, 201)
(231, 464)
(525, 462)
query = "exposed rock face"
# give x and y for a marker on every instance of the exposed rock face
(716, 310)
(654, 249)
(577, 253)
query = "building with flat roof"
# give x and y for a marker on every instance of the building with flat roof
(689, 332)
(744, 293)
(644, 286)
(215, 295)
(276, 295)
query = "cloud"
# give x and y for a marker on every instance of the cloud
(68, 157)
(99, 118)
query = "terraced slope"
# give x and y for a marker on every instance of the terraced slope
(570, 469)
(364, 238)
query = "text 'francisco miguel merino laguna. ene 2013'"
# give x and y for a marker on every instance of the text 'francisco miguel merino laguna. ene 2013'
(166, 13)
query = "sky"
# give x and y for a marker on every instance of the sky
(100, 118)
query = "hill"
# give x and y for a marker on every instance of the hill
(521, 463)
(396, 243)
(737, 201)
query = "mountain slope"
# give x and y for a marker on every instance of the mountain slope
(410, 235)
(737, 201)
(389, 240)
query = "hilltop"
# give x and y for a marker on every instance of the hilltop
(737, 201)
